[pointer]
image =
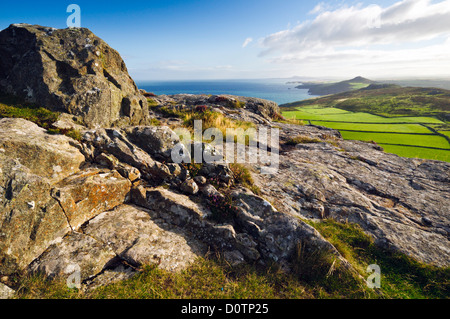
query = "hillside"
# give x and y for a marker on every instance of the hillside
(386, 100)
(335, 87)
(411, 122)
(140, 206)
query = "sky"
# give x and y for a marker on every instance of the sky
(250, 39)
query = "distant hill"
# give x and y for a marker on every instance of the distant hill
(387, 100)
(315, 88)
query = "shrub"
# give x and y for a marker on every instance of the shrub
(201, 108)
(242, 176)
(222, 208)
(302, 139)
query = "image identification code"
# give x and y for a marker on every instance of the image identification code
(239, 308)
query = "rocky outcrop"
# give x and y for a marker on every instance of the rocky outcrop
(72, 71)
(80, 218)
(242, 108)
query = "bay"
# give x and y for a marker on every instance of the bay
(277, 90)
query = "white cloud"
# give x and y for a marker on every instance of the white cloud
(247, 42)
(318, 8)
(407, 32)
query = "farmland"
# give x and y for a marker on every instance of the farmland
(417, 129)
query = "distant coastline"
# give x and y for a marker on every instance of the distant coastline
(276, 90)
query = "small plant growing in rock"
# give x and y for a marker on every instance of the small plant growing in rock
(201, 108)
(302, 139)
(242, 176)
(222, 208)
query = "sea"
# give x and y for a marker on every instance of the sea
(278, 90)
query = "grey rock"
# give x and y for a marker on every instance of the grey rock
(189, 187)
(6, 292)
(200, 179)
(75, 253)
(90, 192)
(234, 257)
(157, 141)
(210, 191)
(31, 163)
(132, 234)
(356, 182)
(51, 156)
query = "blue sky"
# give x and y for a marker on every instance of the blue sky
(209, 39)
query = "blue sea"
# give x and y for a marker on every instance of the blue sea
(277, 90)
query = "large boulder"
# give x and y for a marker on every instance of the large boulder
(158, 141)
(69, 70)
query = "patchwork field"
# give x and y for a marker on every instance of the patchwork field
(408, 136)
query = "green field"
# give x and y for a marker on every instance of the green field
(418, 152)
(332, 114)
(447, 133)
(375, 127)
(399, 139)
(407, 136)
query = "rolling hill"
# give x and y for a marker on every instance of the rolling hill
(315, 88)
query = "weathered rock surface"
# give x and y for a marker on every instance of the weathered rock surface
(69, 70)
(51, 156)
(157, 141)
(6, 292)
(31, 162)
(248, 109)
(114, 142)
(259, 232)
(76, 252)
(86, 194)
(389, 196)
(136, 237)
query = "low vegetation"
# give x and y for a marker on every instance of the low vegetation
(401, 276)
(302, 139)
(11, 107)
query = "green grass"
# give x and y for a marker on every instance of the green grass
(11, 108)
(390, 101)
(319, 114)
(447, 133)
(375, 127)
(382, 130)
(357, 85)
(401, 276)
(205, 279)
(403, 139)
(417, 152)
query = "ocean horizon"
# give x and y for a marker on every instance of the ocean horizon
(277, 90)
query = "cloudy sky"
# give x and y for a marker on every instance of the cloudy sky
(210, 39)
